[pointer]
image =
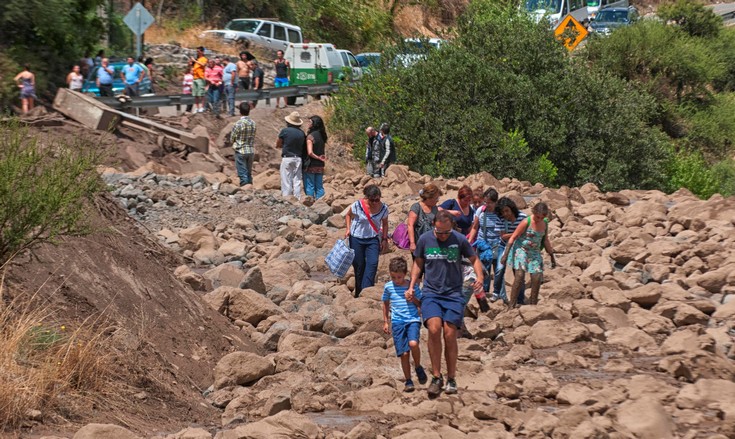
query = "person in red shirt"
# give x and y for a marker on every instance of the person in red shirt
(213, 75)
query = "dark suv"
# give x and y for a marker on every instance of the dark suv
(609, 19)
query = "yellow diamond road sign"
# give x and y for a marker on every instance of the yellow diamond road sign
(570, 32)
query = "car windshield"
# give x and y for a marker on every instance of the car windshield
(367, 60)
(612, 16)
(551, 6)
(242, 25)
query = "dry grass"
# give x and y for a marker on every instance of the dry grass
(42, 361)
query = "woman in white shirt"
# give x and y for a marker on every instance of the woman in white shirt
(74, 79)
(367, 231)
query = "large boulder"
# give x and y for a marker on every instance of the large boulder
(645, 418)
(283, 425)
(633, 339)
(111, 431)
(551, 333)
(241, 368)
(253, 280)
(707, 393)
(225, 275)
(196, 238)
(246, 305)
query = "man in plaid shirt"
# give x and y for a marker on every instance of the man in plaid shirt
(242, 138)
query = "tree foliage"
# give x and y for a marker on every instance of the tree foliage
(50, 35)
(693, 17)
(688, 68)
(504, 97)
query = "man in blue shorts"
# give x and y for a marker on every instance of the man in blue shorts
(440, 254)
(283, 72)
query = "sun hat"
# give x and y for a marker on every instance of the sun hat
(294, 119)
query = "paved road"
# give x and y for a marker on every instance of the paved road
(726, 11)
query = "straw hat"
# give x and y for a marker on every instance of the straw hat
(294, 119)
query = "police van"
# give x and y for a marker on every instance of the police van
(316, 63)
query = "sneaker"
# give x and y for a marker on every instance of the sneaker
(451, 387)
(409, 386)
(435, 388)
(421, 375)
(494, 298)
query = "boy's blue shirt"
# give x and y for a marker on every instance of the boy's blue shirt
(401, 310)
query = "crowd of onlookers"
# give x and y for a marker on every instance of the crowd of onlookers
(214, 81)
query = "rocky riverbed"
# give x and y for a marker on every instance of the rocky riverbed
(633, 336)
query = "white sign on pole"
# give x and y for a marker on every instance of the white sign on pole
(138, 20)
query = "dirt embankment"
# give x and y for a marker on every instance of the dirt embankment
(163, 340)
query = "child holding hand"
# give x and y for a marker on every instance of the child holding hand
(405, 321)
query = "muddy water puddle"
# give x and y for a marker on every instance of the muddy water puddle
(338, 420)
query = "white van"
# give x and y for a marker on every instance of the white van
(314, 63)
(349, 61)
(274, 35)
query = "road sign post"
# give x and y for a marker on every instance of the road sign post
(138, 20)
(570, 32)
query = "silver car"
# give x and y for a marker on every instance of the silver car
(274, 35)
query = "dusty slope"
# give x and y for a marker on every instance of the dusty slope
(164, 338)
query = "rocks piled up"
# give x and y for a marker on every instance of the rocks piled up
(633, 336)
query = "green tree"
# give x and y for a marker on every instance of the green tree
(50, 35)
(693, 17)
(668, 63)
(505, 97)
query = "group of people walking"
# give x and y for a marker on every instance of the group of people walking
(475, 234)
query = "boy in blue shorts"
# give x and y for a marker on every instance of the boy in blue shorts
(405, 319)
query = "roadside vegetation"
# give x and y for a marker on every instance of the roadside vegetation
(45, 187)
(47, 366)
(650, 107)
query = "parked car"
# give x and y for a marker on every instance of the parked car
(609, 19)
(593, 6)
(367, 60)
(90, 85)
(415, 49)
(352, 69)
(274, 35)
(314, 63)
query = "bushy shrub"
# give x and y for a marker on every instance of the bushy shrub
(724, 46)
(724, 174)
(693, 17)
(688, 169)
(504, 97)
(665, 61)
(712, 128)
(44, 184)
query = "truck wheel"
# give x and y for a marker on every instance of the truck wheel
(291, 100)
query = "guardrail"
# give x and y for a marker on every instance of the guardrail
(247, 95)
